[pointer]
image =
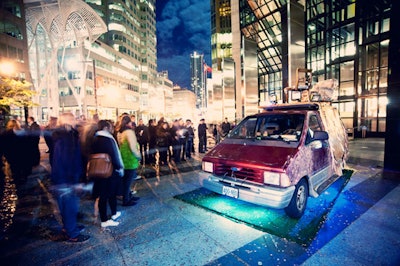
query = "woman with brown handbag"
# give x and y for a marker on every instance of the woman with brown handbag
(107, 188)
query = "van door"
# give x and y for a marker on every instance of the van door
(319, 149)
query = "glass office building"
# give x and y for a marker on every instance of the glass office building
(344, 40)
(198, 79)
(349, 41)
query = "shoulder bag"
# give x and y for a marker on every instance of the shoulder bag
(99, 166)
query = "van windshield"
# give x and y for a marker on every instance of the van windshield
(283, 127)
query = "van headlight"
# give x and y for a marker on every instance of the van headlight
(207, 167)
(277, 179)
(271, 178)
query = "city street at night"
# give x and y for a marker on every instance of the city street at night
(354, 223)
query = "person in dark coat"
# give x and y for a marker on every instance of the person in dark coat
(65, 174)
(202, 133)
(107, 188)
(47, 135)
(225, 127)
(189, 138)
(175, 136)
(142, 135)
(14, 145)
(163, 142)
(152, 141)
(34, 133)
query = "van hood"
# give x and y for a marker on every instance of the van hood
(262, 155)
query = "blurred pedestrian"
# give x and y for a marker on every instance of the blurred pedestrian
(189, 139)
(15, 143)
(163, 142)
(130, 153)
(107, 188)
(175, 136)
(47, 135)
(152, 141)
(142, 134)
(65, 173)
(34, 132)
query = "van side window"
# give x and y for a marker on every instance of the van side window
(313, 125)
(245, 129)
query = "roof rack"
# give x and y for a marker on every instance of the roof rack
(291, 106)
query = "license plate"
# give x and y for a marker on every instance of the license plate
(230, 192)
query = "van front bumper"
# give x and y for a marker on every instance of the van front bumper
(269, 196)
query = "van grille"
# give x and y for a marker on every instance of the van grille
(242, 173)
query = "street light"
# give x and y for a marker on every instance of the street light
(7, 68)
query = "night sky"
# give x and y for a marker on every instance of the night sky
(183, 26)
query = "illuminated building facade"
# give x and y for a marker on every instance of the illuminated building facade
(198, 79)
(344, 40)
(349, 41)
(186, 109)
(132, 32)
(221, 95)
(107, 72)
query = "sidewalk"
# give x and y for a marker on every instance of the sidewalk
(361, 229)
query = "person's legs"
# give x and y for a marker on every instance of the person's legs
(151, 154)
(126, 185)
(188, 148)
(163, 151)
(177, 152)
(112, 199)
(103, 208)
(102, 187)
(68, 204)
(146, 153)
(183, 148)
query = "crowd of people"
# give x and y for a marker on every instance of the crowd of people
(71, 141)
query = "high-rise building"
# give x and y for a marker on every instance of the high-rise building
(198, 79)
(221, 96)
(221, 32)
(13, 41)
(163, 101)
(13, 44)
(132, 31)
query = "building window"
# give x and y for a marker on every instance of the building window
(10, 29)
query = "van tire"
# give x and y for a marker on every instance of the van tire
(298, 203)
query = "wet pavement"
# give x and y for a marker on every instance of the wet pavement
(362, 227)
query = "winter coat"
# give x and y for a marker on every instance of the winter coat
(66, 167)
(163, 137)
(142, 134)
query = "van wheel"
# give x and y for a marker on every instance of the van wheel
(298, 202)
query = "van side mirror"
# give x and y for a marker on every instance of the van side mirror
(320, 135)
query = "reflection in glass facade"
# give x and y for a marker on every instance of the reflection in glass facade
(278, 29)
(345, 40)
(348, 41)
